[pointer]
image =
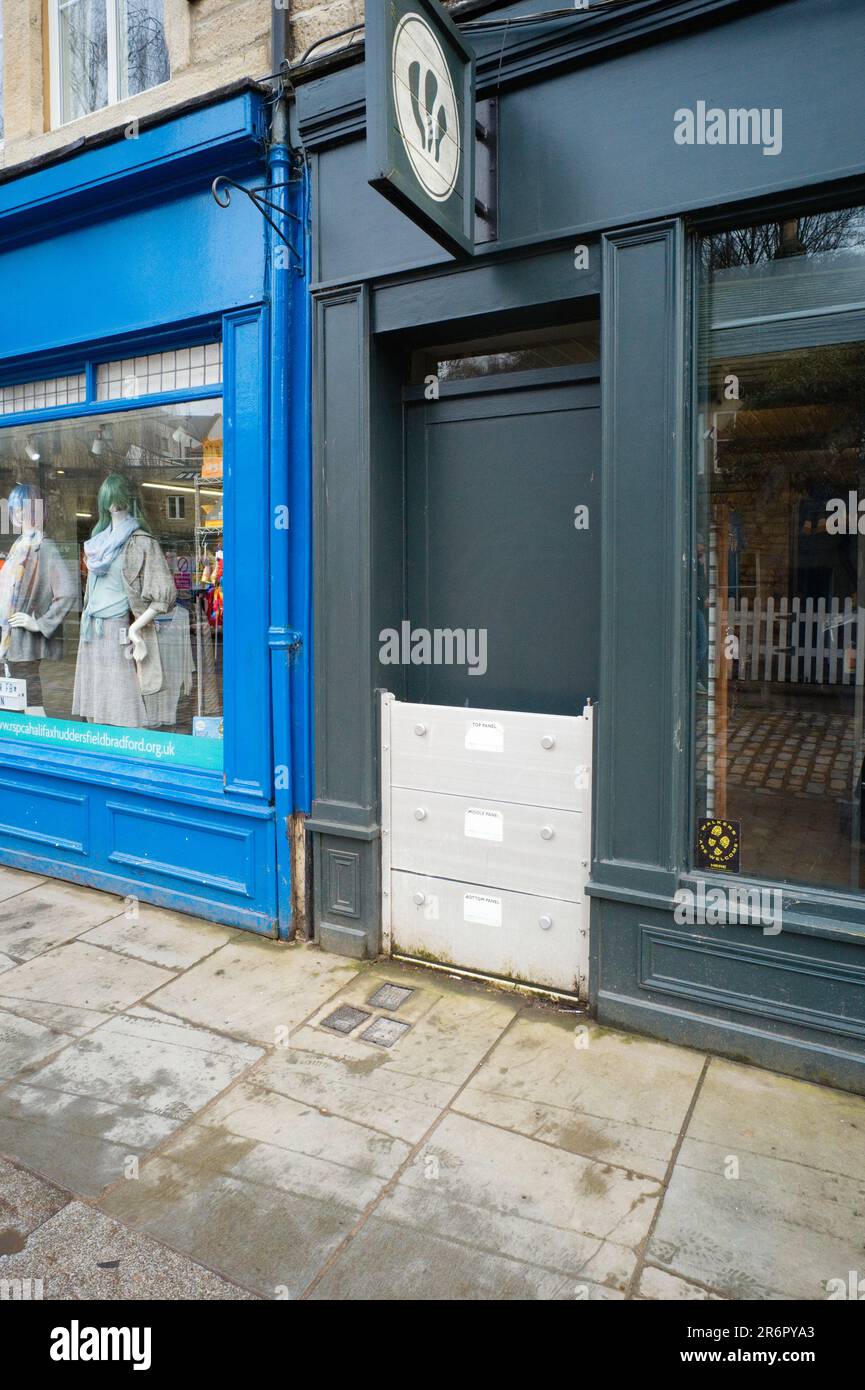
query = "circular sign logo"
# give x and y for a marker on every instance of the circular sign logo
(426, 106)
(719, 842)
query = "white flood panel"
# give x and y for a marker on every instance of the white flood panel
(486, 840)
(533, 940)
(529, 849)
(536, 759)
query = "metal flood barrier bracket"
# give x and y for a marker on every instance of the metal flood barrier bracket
(486, 841)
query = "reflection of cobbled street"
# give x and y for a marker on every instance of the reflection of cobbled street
(792, 783)
(800, 752)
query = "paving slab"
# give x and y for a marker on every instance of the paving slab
(15, 881)
(82, 1254)
(83, 976)
(453, 1026)
(26, 1201)
(27, 1042)
(296, 1177)
(563, 1225)
(357, 1087)
(761, 1112)
(116, 1094)
(610, 1096)
(268, 1239)
(658, 1285)
(63, 1018)
(80, 1143)
(392, 1262)
(254, 989)
(49, 914)
(169, 939)
(780, 1230)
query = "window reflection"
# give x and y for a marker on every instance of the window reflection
(780, 563)
(111, 568)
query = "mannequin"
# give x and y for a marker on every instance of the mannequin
(118, 661)
(36, 593)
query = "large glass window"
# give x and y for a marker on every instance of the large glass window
(103, 51)
(111, 601)
(780, 545)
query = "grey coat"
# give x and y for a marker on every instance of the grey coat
(55, 593)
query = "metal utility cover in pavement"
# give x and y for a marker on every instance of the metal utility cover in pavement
(385, 1032)
(345, 1019)
(390, 997)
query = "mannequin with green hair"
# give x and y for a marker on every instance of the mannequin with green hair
(118, 496)
(119, 663)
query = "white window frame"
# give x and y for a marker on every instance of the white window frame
(114, 83)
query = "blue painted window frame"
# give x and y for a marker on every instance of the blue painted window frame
(247, 774)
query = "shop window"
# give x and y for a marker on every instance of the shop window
(103, 51)
(88, 548)
(536, 350)
(43, 395)
(780, 547)
(178, 370)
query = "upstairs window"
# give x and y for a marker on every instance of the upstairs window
(103, 51)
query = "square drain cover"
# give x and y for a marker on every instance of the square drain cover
(390, 997)
(345, 1019)
(385, 1031)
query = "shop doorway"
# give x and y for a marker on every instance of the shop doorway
(492, 746)
(503, 539)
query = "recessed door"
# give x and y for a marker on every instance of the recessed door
(502, 541)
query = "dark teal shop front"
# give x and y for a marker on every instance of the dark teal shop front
(145, 380)
(673, 222)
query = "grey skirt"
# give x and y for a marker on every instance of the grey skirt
(106, 682)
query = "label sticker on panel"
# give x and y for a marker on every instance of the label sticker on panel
(485, 736)
(477, 907)
(13, 695)
(484, 825)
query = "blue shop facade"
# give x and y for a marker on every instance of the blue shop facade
(154, 409)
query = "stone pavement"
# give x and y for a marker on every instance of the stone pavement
(179, 1119)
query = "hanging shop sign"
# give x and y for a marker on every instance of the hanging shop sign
(420, 104)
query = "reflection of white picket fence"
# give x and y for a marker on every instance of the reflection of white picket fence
(798, 641)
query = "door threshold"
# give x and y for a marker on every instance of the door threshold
(499, 980)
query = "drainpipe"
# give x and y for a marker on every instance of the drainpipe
(283, 640)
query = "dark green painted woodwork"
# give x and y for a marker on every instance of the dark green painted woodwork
(493, 478)
(583, 149)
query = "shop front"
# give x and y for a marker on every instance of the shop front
(603, 466)
(145, 719)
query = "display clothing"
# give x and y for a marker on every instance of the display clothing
(106, 686)
(35, 580)
(129, 573)
(175, 650)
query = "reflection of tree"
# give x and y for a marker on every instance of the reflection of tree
(87, 60)
(142, 31)
(769, 241)
(147, 51)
